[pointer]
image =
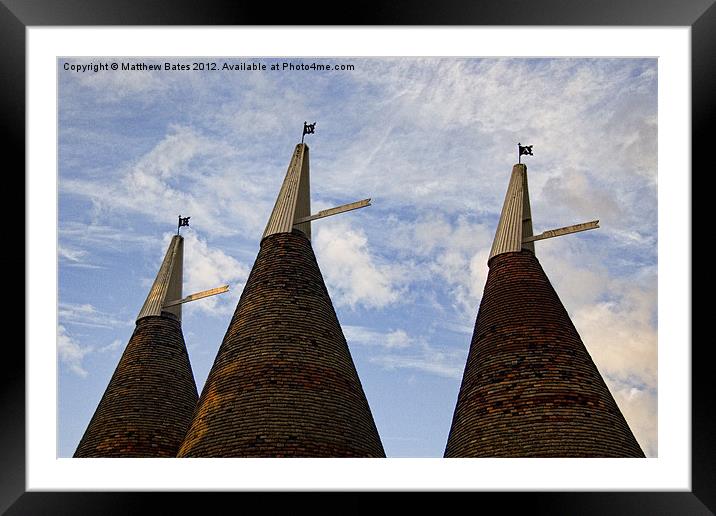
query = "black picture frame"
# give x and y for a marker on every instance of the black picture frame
(17, 15)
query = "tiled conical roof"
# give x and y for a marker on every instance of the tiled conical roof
(147, 406)
(283, 383)
(530, 387)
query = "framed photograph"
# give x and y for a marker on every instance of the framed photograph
(128, 126)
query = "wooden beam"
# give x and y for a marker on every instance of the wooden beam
(576, 228)
(198, 295)
(334, 211)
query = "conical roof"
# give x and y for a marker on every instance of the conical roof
(283, 383)
(147, 406)
(530, 387)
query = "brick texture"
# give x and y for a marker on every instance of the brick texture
(150, 399)
(283, 383)
(530, 388)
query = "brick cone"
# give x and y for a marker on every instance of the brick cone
(530, 387)
(147, 406)
(283, 383)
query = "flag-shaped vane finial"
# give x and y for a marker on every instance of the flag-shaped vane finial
(524, 150)
(308, 129)
(183, 221)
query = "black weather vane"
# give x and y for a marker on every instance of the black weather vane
(523, 150)
(183, 221)
(308, 129)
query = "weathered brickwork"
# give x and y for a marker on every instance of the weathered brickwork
(530, 388)
(283, 383)
(150, 399)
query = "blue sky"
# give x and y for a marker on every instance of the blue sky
(432, 141)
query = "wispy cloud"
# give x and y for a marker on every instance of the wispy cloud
(426, 358)
(113, 346)
(87, 315)
(71, 353)
(367, 337)
(73, 255)
(397, 349)
(80, 241)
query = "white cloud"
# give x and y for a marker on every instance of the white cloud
(575, 194)
(74, 257)
(208, 267)
(621, 335)
(393, 339)
(71, 353)
(640, 409)
(397, 339)
(353, 274)
(111, 347)
(68, 253)
(445, 254)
